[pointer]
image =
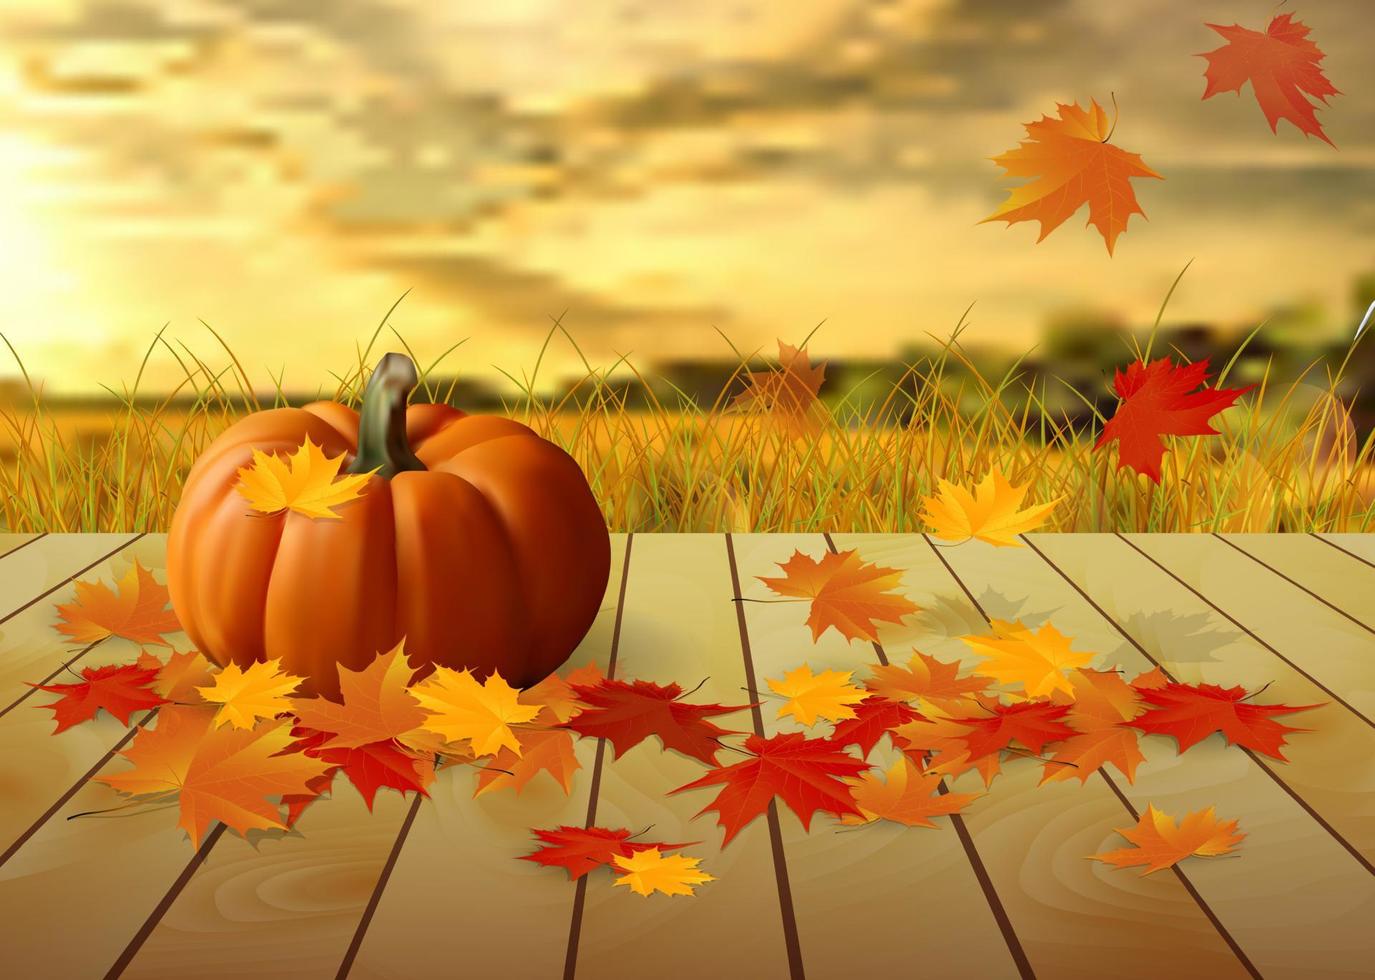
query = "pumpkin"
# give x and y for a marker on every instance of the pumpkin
(475, 540)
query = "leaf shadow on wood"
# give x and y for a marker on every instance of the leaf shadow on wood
(1171, 638)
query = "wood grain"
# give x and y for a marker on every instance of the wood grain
(1293, 899)
(1321, 569)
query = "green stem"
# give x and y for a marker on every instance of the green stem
(382, 444)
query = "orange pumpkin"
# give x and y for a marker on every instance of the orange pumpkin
(476, 540)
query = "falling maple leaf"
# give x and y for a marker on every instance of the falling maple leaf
(628, 712)
(306, 482)
(648, 871)
(828, 694)
(874, 717)
(541, 750)
(847, 593)
(803, 772)
(375, 703)
(790, 393)
(1103, 705)
(907, 796)
(1192, 712)
(1281, 64)
(137, 612)
(247, 696)
(1033, 724)
(579, 850)
(1074, 164)
(1038, 660)
(461, 708)
(991, 513)
(178, 678)
(1158, 400)
(1160, 843)
(121, 689)
(926, 678)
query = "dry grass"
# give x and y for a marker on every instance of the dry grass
(1284, 461)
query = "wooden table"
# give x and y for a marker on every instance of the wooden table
(433, 888)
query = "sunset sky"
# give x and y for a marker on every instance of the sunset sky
(286, 169)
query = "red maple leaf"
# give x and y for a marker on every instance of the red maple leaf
(369, 767)
(582, 849)
(1282, 66)
(1157, 400)
(803, 772)
(628, 712)
(874, 717)
(1192, 712)
(121, 689)
(1032, 723)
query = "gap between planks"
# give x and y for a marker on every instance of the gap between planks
(1302, 588)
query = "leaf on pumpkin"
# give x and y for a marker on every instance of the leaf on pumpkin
(376, 704)
(927, 679)
(991, 513)
(178, 678)
(648, 871)
(247, 696)
(461, 708)
(137, 611)
(874, 717)
(1103, 705)
(1073, 164)
(1159, 400)
(907, 796)
(579, 850)
(541, 750)
(628, 712)
(1037, 660)
(827, 695)
(1160, 843)
(1192, 712)
(805, 773)
(306, 481)
(847, 593)
(789, 393)
(121, 689)
(1281, 64)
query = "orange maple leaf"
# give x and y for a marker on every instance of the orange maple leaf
(178, 678)
(376, 704)
(847, 593)
(541, 750)
(1161, 844)
(1103, 704)
(926, 678)
(137, 612)
(789, 393)
(1074, 164)
(908, 796)
(1282, 66)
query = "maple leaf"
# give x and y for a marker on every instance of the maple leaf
(1155, 677)
(1158, 400)
(940, 745)
(370, 767)
(1281, 64)
(803, 772)
(874, 717)
(178, 678)
(1192, 712)
(649, 871)
(1074, 164)
(1103, 704)
(628, 712)
(121, 689)
(541, 750)
(925, 677)
(461, 708)
(828, 694)
(137, 612)
(1032, 723)
(1160, 843)
(1038, 660)
(376, 704)
(991, 513)
(789, 393)
(306, 481)
(847, 593)
(224, 774)
(246, 696)
(908, 796)
(579, 850)
(556, 694)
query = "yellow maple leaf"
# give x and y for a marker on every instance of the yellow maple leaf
(990, 513)
(461, 708)
(1161, 843)
(648, 871)
(1039, 660)
(307, 482)
(137, 611)
(907, 796)
(810, 696)
(376, 704)
(246, 696)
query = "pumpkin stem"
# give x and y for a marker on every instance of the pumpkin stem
(382, 443)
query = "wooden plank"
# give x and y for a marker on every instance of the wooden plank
(680, 626)
(1295, 899)
(1362, 546)
(458, 881)
(1309, 564)
(30, 575)
(1072, 920)
(888, 883)
(1332, 650)
(1331, 768)
(13, 542)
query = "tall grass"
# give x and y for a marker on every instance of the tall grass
(1284, 461)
